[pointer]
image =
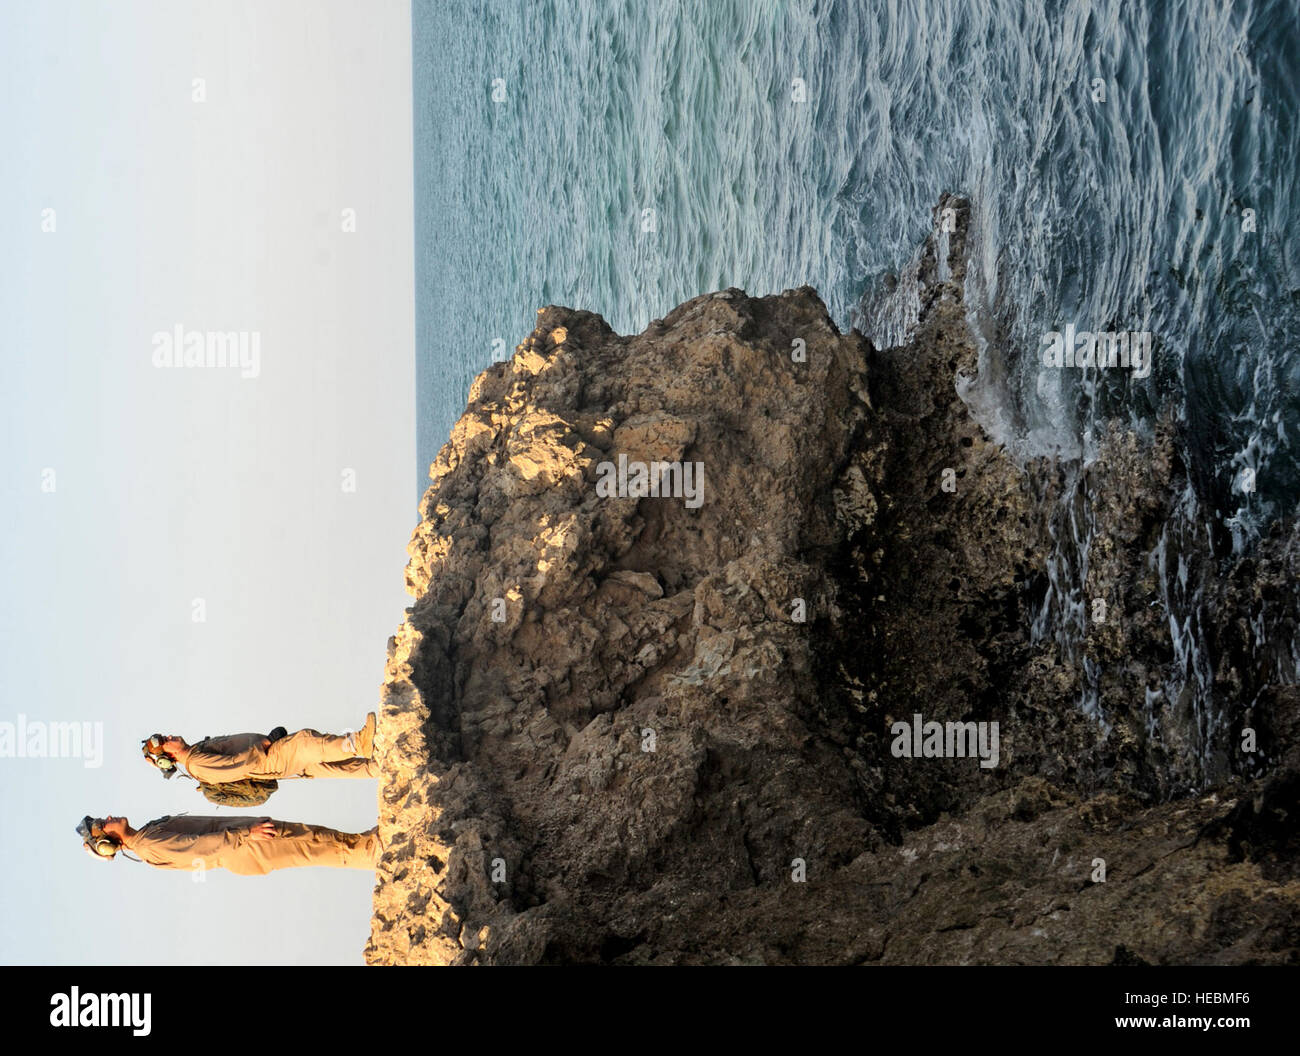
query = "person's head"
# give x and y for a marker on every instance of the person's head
(157, 757)
(102, 837)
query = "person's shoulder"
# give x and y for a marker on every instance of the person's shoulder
(147, 830)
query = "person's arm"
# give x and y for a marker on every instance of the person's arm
(199, 824)
(220, 758)
(176, 842)
(234, 743)
(174, 830)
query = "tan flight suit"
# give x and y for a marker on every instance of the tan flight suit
(196, 842)
(216, 760)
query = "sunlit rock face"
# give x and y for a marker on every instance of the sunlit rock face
(681, 599)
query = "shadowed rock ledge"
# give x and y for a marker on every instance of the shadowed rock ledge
(614, 729)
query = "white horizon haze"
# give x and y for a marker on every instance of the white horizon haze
(198, 547)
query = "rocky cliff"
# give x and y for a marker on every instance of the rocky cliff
(619, 727)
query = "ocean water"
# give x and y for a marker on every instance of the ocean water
(1131, 166)
(1109, 151)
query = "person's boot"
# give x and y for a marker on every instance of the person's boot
(366, 738)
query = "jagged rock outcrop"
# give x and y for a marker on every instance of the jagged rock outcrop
(636, 729)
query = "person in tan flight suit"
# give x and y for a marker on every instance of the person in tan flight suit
(217, 760)
(249, 846)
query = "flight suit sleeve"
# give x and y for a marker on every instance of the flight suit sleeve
(200, 824)
(233, 743)
(180, 843)
(220, 758)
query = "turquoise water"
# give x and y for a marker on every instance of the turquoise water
(1108, 149)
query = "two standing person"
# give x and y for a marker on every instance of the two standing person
(247, 765)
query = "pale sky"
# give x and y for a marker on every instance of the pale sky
(226, 215)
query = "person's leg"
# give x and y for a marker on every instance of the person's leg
(297, 845)
(292, 755)
(346, 768)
